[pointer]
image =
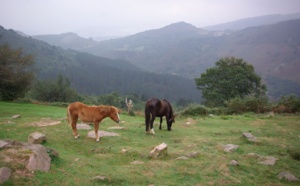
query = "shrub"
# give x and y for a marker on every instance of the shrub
(195, 110)
(288, 104)
(248, 104)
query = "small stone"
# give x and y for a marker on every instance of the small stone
(233, 162)
(37, 138)
(250, 137)
(15, 116)
(230, 147)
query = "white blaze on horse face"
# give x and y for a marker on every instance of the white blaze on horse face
(152, 131)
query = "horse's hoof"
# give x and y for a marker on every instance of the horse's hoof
(97, 140)
(152, 131)
(76, 137)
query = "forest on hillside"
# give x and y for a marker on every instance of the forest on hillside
(94, 75)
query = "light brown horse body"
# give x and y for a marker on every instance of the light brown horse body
(90, 114)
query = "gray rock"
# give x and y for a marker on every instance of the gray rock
(3, 144)
(37, 138)
(39, 159)
(288, 176)
(83, 126)
(4, 174)
(268, 160)
(91, 134)
(234, 163)
(15, 116)
(159, 150)
(230, 147)
(250, 137)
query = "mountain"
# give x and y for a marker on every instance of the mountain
(185, 50)
(254, 21)
(90, 74)
(67, 41)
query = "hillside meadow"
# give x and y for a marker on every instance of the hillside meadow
(199, 139)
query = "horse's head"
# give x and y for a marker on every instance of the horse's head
(114, 114)
(170, 122)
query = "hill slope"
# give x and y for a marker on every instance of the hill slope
(91, 74)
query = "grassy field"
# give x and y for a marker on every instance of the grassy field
(83, 159)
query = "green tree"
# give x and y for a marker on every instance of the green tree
(58, 90)
(16, 73)
(232, 77)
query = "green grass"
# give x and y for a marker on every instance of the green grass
(83, 159)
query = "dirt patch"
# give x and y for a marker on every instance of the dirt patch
(258, 122)
(45, 122)
(189, 122)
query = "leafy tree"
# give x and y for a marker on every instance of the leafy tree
(15, 73)
(58, 90)
(232, 77)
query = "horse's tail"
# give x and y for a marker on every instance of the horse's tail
(68, 114)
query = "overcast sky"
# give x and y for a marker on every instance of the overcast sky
(92, 18)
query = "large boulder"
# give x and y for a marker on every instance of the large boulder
(34, 156)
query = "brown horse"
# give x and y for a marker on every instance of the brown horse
(90, 114)
(158, 108)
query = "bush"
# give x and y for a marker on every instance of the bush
(248, 104)
(288, 104)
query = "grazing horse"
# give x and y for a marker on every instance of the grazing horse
(90, 114)
(158, 108)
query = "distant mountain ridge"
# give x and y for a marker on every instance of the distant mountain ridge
(254, 21)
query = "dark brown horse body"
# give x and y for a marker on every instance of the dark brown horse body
(158, 108)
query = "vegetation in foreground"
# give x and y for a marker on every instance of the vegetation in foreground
(81, 160)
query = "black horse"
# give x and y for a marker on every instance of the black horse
(158, 108)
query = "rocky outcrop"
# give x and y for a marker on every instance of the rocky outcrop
(34, 156)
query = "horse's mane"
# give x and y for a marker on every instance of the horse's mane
(169, 106)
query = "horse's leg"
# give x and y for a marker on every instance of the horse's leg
(147, 120)
(161, 120)
(74, 128)
(151, 124)
(96, 127)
